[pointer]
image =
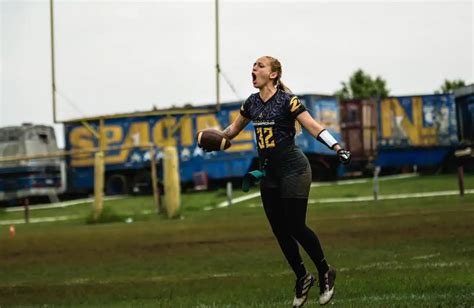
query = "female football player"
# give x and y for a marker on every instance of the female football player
(276, 115)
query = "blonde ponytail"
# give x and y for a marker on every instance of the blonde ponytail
(284, 88)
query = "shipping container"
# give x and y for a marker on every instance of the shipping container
(416, 130)
(465, 114)
(359, 128)
(359, 132)
(399, 132)
(325, 110)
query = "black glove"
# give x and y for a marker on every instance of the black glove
(344, 156)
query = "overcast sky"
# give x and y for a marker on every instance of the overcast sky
(124, 56)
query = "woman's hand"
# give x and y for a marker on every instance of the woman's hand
(344, 156)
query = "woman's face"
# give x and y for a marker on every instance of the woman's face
(262, 74)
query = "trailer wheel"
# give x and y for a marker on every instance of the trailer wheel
(117, 184)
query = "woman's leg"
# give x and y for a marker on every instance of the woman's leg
(274, 209)
(295, 213)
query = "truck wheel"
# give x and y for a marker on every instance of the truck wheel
(117, 184)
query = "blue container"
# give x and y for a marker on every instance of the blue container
(465, 114)
(416, 130)
(325, 110)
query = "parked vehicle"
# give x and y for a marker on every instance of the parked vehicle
(26, 178)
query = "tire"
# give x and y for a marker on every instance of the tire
(117, 184)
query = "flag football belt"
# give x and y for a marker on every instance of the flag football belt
(251, 178)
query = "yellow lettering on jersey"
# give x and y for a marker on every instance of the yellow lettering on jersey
(260, 140)
(263, 137)
(269, 134)
(294, 104)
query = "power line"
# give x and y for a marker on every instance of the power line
(70, 102)
(231, 86)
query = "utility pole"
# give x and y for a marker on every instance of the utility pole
(99, 166)
(218, 69)
(53, 69)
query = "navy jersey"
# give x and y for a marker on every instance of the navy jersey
(274, 120)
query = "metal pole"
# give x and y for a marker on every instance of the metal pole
(154, 179)
(461, 179)
(26, 204)
(229, 193)
(376, 182)
(218, 70)
(53, 68)
(461, 155)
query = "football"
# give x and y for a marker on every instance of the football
(212, 139)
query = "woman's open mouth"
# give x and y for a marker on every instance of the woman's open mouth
(254, 77)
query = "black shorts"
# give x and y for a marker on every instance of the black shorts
(289, 172)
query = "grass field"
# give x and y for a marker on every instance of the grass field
(405, 252)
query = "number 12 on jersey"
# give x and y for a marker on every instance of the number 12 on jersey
(265, 137)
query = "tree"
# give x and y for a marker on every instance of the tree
(361, 85)
(449, 86)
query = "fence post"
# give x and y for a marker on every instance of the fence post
(229, 193)
(376, 183)
(154, 180)
(171, 181)
(462, 155)
(461, 179)
(26, 204)
(98, 184)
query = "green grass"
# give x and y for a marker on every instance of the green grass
(389, 186)
(391, 253)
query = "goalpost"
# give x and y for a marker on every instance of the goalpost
(171, 176)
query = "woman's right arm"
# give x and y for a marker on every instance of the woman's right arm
(236, 127)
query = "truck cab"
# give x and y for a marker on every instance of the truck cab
(21, 176)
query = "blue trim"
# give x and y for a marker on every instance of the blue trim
(422, 157)
(30, 169)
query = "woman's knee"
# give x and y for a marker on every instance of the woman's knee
(299, 230)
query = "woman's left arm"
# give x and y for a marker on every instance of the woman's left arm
(315, 129)
(319, 132)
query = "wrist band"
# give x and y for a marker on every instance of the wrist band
(327, 139)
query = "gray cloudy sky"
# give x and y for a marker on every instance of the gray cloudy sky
(123, 56)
